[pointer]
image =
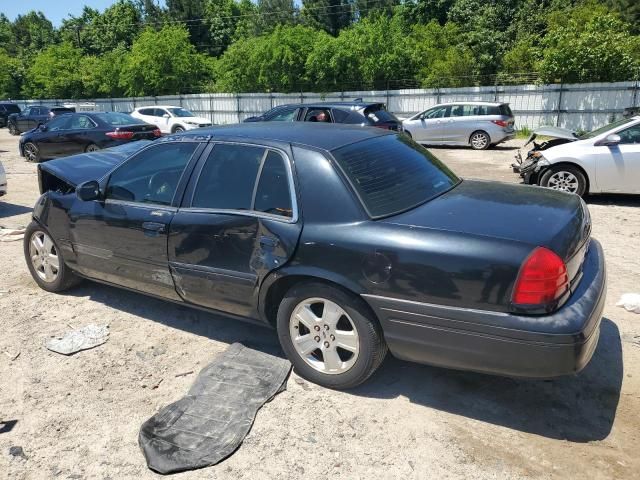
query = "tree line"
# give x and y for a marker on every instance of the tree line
(136, 47)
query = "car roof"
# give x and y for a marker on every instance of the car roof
(159, 106)
(332, 104)
(490, 104)
(315, 135)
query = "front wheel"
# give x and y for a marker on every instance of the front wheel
(329, 336)
(31, 152)
(480, 140)
(92, 147)
(565, 178)
(13, 130)
(45, 262)
(178, 129)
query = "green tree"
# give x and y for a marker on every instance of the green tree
(56, 73)
(9, 76)
(369, 54)
(589, 44)
(271, 62)
(102, 75)
(272, 13)
(192, 13)
(32, 32)
(328, 15)
(629, 10)
(163, 62)
(222, 19)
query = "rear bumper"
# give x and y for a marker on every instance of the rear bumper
(500, 343)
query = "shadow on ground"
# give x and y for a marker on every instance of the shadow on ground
(578, 408)
(11, 209)
(614, 199)
(463, 147)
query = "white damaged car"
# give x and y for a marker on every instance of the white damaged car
(606, 160)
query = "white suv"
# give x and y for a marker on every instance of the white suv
(170, 119)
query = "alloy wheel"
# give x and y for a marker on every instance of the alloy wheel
(563, 181)
(479, 141)
(31, 152)
(324, 336)
(44, 256)
(93, 148)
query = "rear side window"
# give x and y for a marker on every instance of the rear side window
(284, 115)
(378, 114)
(392, 173)
(505, 110)
(340, 116)
(228, 177)
(273, 194)
(152, 176)
(146, 111)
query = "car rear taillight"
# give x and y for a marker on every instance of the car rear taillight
(542, 279)
(500, 123)
(120, 135)
(157, 133)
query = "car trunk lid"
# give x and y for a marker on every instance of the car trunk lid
(530, 215)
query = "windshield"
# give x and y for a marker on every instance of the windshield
(180, 112)
(392, 173)
(11, 108)
(601, 130)
(115, 118)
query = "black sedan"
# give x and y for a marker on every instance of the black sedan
(368, 114)
(348, 241)
(83, 132)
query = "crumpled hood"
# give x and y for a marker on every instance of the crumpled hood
(531, 215)
(553, 132)
(77, 169)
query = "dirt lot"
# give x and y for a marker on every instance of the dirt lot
(78, 417)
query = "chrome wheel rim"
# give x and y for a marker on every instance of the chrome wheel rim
(31, 152)
(179, 130)
(324, 336)
(563, 181)
(92, 148)
(479, 140)
(44, 257)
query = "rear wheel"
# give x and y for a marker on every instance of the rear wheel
(92, 147)
(480, 140)
(329, 336)
(45, 261)
(565, 178)
(31, 152)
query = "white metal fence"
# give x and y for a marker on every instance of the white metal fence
(579, 106)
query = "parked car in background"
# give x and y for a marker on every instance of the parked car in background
(606, 160)
(33, 116)
(3, 181)
(170, 119)
(370, 243)
(83, 132)
(6, 109)
(356, 113)
(478, 124)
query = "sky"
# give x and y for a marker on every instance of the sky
(55, 10)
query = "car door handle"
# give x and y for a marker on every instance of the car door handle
(269, 241)
(153, 227)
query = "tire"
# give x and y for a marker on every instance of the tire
(38, 242)
(354, 328)
(178, 129)
(565, 178)
(92, 147)
(480, 140)
(13, 130)
(31, 152)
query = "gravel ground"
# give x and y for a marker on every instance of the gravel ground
(78, 417)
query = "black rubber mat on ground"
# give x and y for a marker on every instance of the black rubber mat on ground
(210, 423)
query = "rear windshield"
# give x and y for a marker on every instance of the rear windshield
(505, 110)
(378, 114)
(11, 108)
(392, 173)
(115, 118)
(61, 110)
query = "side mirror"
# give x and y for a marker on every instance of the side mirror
(42, 127)
(88, 191)
(166, 115)
(611, 139)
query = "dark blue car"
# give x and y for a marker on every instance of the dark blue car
(349, 241)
